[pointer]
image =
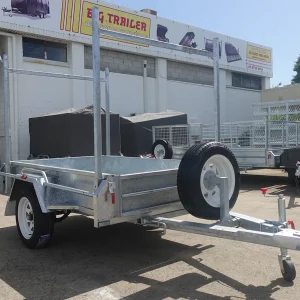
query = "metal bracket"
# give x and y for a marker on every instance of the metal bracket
(155, 224)
(111, 186)
(222, 183)
(100, 188)
(30, 171)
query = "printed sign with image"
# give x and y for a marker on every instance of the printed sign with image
(72, 19)
(76, 16)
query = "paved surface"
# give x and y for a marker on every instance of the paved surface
(129, 262)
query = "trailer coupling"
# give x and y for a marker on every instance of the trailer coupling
(239, 227)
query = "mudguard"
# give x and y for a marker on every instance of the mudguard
(31, 182)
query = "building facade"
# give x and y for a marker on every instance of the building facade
(282, 93)
(55, 36)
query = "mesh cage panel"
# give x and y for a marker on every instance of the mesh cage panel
(277, 111)
(177, 135)
(260, 134)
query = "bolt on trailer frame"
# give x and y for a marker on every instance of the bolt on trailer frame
(255, 144)
(119, 189)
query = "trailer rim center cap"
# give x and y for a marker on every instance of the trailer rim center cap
(159, 151)
(210, 180)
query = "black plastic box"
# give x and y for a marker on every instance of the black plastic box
(70, 133)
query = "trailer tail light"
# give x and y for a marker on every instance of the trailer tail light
(113, 198)
(24, 177)
(111, 189)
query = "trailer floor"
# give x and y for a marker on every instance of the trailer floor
(129, 262)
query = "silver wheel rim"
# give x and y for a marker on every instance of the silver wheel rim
(220, 166)
(159, 151)
(25, 218)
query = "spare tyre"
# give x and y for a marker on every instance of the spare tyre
(196, 182)
(162, 149)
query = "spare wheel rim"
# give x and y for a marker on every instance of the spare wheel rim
(25, 218)
(221, 167)
(159, 151)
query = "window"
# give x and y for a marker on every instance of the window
(246, 81)
(44, 50)
(185, 72)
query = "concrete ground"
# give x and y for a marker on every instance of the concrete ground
(128, 262)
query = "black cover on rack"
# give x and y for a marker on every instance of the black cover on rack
(70, 133)
(136, 131)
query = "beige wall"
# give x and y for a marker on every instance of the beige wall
(289, 92)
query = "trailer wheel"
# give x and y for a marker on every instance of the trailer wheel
(162, 149)
(34, 227)
(289, 270)
(197, 172)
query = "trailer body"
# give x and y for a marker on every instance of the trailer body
(255, 144)
(134, 187)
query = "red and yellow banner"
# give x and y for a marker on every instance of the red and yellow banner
(257, 53)
(76, 16)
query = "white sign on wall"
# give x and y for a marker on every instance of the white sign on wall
(73, 17)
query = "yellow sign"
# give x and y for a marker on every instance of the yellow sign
(76, 16)
(260, 54)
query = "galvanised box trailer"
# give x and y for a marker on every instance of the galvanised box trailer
(112, 189)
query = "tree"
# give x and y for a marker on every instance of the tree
(296, 78)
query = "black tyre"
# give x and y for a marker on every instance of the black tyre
(196, 188)
(162, 149)
(289, 270)
(34, 227)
